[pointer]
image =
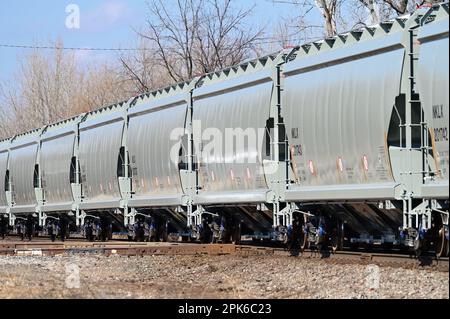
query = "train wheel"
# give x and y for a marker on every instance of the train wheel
(441, 243)
(63, 229)
(152, 236)
(447, 248)
(89, 234)
(302, 235)
(207, 236)
(236, 236)
(29, 233)
(2, 229)
(387, 246)
(354, 246)
(256, 240)
(164, 235)
(337, 243)
(298, 243)
(105, 233)
(140, 235)
(303, 242)
(321, 243)
(419, 245)
(63, 234)
(337, 239)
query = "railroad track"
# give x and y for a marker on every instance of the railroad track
(47, 248)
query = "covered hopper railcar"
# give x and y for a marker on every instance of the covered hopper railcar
(340, 141)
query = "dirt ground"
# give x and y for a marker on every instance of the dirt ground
(92, 276)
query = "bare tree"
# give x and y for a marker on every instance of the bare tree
(367, 6)
(52, 87)
(399, 6)
(223, 39)
(370, 12)
(329, 9)
(103, 85)
(7, 105)
(193, 37)
(402, 6)
(42, 89)
(381, 9)
(343, 15)
(140, 73)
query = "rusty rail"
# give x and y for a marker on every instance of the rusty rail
(149, 249)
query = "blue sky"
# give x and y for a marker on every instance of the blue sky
(104, 23)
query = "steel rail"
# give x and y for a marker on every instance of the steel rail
(43, 248)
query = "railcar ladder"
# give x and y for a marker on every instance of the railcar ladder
(414, 100)
(420, 216)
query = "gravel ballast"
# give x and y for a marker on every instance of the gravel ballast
(98, 276)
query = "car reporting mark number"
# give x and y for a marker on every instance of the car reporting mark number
(237, 309)
(297, 150)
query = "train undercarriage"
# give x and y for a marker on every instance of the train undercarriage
(354, 226)
(324, 228)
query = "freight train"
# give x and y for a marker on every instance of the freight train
(342, 141)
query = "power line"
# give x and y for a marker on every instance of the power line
(261, 40)
(32, 47)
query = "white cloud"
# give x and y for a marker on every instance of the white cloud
(113, 10)
(105, 15)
